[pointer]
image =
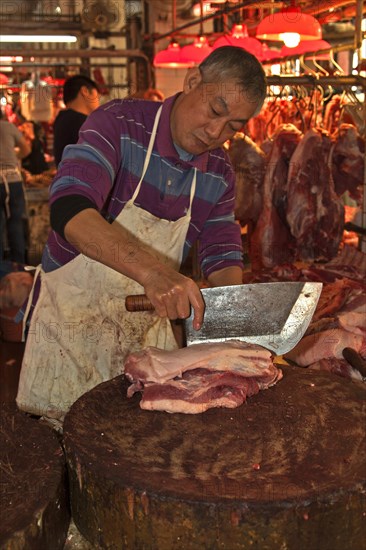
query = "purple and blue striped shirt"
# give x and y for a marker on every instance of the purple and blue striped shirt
(106, 164)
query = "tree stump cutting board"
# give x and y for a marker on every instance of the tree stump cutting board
(34, 493)
(286, 470)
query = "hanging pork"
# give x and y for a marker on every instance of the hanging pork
(249, 164)
(271, 242)
(315, 214)
(348, 154)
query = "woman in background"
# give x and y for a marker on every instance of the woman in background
(12, 200)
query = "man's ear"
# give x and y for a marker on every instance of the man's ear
(192, 79)
(84, 91)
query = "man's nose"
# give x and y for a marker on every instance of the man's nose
(214, 128)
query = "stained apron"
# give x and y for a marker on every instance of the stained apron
(80, 332)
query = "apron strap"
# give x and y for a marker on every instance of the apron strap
(4, 172)
(193, 190)
(148, 153)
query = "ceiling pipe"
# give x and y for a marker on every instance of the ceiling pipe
(311, 10)
(358, 27)
(201, 20)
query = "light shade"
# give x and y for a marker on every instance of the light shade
(268, 54)
(289, 20)
(239, 37)
(308, 46)
(196, 52)
(171, 58)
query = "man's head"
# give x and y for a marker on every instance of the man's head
(218, 98)
(81, 94)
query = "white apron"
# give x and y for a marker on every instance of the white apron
(80, 331)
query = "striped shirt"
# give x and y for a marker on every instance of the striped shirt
(106, 165)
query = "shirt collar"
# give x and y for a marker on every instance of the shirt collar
(164, 141)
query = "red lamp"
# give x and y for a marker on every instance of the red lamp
(308, 46)
(171, 58)
(239, 37)
(289, 25)
(194, 53)
(268, 54)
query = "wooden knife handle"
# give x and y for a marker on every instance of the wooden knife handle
(355, 360)
(138, 302)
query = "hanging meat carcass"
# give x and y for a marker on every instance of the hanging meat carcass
(249, 164)
(314, 212)
(271, 242)
(348, 154)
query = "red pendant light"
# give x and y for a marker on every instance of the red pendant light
(289, 25)
(171, 58)
(194, 53)
(308, 46)
(268, 54)
(239, 37)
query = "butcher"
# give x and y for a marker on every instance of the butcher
(144, 182)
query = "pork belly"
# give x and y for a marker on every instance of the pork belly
(157, 365)
(199, 377)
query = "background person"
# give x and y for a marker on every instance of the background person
(81, 97)
(12, 199)
(34, 163)
(144, 182)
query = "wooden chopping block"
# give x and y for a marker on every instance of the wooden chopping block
(285, 470)
(34, 494)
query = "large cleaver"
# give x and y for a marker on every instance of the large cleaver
(272, 315)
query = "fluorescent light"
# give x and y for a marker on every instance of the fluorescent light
(10, 58)
(37, 38)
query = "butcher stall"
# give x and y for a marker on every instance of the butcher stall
(229, 444)
(286, 468)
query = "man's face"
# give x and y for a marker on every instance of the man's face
(206, 115)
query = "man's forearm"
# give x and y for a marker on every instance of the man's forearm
(171, 293)
(232, 275)
(110, 244)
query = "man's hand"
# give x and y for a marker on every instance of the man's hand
(172, 295)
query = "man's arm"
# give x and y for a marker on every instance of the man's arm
(171, 293)
(232, 275)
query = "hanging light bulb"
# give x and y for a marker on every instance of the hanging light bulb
(289, 21)
(239, 37)
(291, 39)
(194, 53)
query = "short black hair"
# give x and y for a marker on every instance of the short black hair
(234, 63)
(73, 85)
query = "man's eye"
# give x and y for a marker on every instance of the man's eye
(236, 128)
(215, 112)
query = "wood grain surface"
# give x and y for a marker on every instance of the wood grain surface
(285, 470)
(33, 492)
